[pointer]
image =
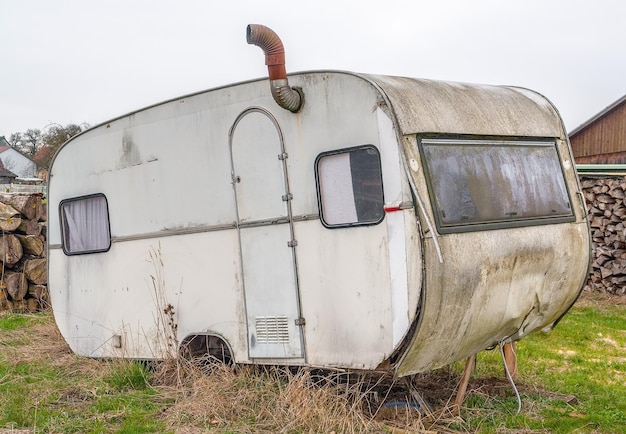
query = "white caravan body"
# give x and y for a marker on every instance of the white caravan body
(391, 223)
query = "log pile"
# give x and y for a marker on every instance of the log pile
(23, 264)
(605, 197)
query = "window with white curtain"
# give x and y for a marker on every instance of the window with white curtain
(85, 225)
(350, 187)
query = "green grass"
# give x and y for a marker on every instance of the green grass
(54, 391)
(572, 379)
(12, 322)
(52, 401)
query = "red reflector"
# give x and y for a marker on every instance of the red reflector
(392, 208)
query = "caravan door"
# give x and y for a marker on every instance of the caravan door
(265, 227)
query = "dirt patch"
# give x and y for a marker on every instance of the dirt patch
(596, 298)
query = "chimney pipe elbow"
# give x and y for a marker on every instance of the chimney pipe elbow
(265, 38)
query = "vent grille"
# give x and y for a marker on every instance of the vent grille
(272, 329)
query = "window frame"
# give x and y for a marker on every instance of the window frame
(319, 191)
(65, 229)
(468, 140)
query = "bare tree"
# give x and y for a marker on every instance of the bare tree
(41, 146)
(56, 134)
(28, 142)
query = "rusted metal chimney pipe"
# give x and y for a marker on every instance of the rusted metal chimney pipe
(289, 98)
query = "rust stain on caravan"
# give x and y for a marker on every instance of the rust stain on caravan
(129, 153)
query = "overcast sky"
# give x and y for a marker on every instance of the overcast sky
(71, 61)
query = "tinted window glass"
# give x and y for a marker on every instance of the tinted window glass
(350, 187)
(494, 181)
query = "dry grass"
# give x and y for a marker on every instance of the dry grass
(280, 400)
(43, 344)
(201, 397)
(40, 341)
(597, 299)
(196, 397)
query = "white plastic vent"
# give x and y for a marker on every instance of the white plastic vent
(272, 329)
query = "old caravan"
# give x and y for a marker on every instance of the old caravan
(326, 219)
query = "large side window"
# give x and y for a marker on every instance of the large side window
(481, 184)
(350, 187)
(85, 225)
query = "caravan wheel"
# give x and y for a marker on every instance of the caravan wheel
(206, 348)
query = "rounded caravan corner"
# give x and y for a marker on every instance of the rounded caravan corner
(540, 97)
(485, 259)
(60, 149)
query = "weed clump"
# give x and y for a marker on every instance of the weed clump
(271, 399)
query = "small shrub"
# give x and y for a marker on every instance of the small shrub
(12, 321)
(126, 374)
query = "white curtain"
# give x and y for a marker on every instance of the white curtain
(336, 192)
(86, 225)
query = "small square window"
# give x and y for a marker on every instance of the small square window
(85, 225)
(350, 187)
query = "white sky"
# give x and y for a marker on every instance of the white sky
(76, 61)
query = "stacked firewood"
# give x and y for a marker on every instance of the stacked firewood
(605, 197)
(23, 264)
